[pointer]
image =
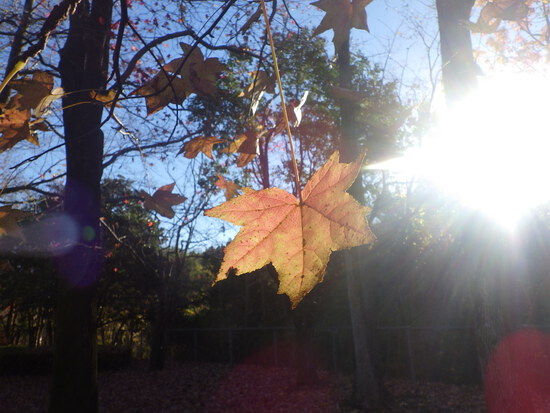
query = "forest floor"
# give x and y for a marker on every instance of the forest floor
(216, 388)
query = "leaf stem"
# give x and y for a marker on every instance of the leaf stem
(283, 105)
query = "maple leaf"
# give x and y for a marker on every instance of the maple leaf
(162, 90)
(9, 219)
(494, 12)
(341, 16)
(294, 114)
(15, 125)
(297, 238)
(33, 90)
(163, 200)
(105, 97)
(199, 73)
(261, 83)
(246, 144)
(229, 187)
(37, 93)
(199, 144)
(180, 78)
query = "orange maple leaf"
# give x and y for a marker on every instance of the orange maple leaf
(341, 16)
(297, 238)
(162, 200)
(229, 187)
(202, 144)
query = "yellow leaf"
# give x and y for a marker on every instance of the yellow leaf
(297, 238)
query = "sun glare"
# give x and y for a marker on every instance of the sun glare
(491, 151)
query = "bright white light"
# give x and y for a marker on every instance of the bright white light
(492, 151)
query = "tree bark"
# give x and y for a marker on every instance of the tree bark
(458, 66)
(367, 386)
(83, 67)
(486, 254)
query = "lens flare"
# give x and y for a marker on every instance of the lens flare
(491, 151)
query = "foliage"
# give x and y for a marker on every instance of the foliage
(297, 236)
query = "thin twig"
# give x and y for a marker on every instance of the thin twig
(283, 105)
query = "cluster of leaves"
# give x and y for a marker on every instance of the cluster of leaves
(22, 115)
(494, 12)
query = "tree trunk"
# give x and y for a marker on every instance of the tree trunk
(367, 387)
(83, 67)
(487, 256)
(459, 69)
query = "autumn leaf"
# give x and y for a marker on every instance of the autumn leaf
(246, 144)
(199, 144)
(341, 16)
(37, 93)
(15, 125)
(297, 238)
(199, 73)
(162, 90)
(180, 78)
(494, 12)
(105, 97)
(162, 200)
(33, 90)
(9, 219)
(261, 83)
(229, 187)
(294, 114)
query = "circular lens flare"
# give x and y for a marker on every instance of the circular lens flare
(491, 151)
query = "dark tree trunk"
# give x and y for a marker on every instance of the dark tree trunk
(83, 67)
(367, 386)
(487, 254)
(459, 69)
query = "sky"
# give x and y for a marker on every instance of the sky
(393, 43)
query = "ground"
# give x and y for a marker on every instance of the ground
(215, 388)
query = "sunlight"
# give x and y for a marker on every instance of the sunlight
(492, 151)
